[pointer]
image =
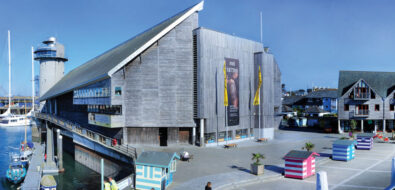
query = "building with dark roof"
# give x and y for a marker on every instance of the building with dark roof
(325, 99)
(367, 97)
(166, 86)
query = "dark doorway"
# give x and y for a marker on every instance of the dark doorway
(163, 136)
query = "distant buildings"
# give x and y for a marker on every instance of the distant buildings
(368, 98)
(166, 86)
(315, 103)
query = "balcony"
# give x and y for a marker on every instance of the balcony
(361, 96)
(361, 113)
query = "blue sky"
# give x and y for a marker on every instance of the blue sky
(311, 39)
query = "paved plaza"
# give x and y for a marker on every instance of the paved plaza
(230, 168)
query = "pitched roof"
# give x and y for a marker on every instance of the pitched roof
(327, 93)
(379, 81)
(290, 100)
(299, 154)
(314, 109)
(344, 142)
(106, 64)
(161, 159)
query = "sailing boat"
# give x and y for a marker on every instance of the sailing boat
(8, 119)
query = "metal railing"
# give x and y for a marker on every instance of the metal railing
(361, 95)
(94, 136)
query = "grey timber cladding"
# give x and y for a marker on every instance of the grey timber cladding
(213, 48)
(157, 88)
(98, 68)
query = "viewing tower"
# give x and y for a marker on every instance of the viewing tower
(52, 58)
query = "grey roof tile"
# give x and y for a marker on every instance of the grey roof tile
(379, 81)
(156, 158)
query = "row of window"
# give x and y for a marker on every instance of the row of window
(366, 107)
(105, 109)
(92, 93)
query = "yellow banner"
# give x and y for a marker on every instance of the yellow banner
(256, 98)
(225, 86)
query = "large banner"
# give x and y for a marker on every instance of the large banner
(232, 75)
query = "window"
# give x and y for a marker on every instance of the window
(118, 91)
(391, 107)
(377, 107)
(346, 107)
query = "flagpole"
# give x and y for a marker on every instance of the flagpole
(226, 121)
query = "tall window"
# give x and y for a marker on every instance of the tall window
(377, 107)
(391, 107)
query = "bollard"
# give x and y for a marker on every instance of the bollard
(392, 185)
(322, 181)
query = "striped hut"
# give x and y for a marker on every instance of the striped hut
(299, 164)
(365, 141)
(343, 150)
(155, 170)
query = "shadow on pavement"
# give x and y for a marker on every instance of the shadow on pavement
(302, 129)
(325, 155)
(274, 168)
(241, 168)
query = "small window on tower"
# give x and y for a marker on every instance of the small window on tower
(346, 107)
(118, 91)
(391, 107)
(377, 107)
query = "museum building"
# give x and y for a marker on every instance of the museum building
(167, 86)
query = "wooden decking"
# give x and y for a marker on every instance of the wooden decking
(34, 172)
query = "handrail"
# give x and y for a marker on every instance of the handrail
(97, 137)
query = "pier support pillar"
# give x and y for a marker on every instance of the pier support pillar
(384, 126)
(193, 135)
(50, 165)
(49, 144)
(60, 150)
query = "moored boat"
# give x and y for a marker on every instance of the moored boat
(16, 171)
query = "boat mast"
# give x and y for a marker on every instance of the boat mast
(32, 79)
(9, 71)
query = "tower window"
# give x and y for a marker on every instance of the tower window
(118, 91)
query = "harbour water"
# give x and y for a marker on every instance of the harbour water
(76, 176)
